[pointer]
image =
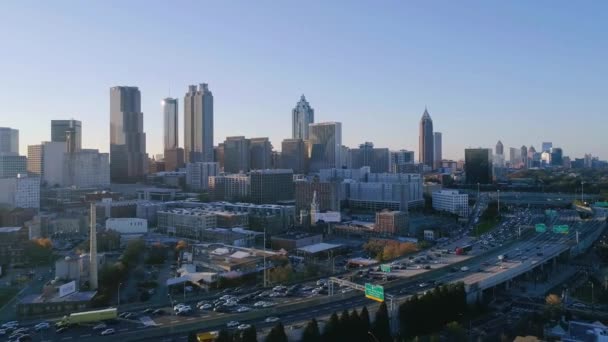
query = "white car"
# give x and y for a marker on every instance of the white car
(232, 324)
(206, 307)
(258, 304)
(42, 326)
(242, 309)
(271, 319)
(243, 326)
(108, 332)
(268, 305)
(10, 324)
(178, 306)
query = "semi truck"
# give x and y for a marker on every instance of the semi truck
(463, 249)
(88, 316)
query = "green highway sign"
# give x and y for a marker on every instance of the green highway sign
(385, 268)
(541, 228)
(561, 229)
(374, 292)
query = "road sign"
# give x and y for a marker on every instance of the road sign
(541, 228)
(561, 229)
(374, 292)
(385, 268)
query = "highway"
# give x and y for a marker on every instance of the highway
(521, 256)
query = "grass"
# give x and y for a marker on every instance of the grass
(6, 294)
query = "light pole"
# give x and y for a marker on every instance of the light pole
(118, 290)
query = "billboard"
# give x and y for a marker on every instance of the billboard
(67, 289)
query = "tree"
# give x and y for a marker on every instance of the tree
(224, 336)
(39, 251)
(311, 333)
(345, 329)
(455, 333)
(364, 319)
(381, 327)
(277, 334)
(250, 335)
(331, 332)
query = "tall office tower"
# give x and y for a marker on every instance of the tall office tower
(293, 155)
(325, 139)
(402, 157)
(366, 155)
(128, 158)
(500, 148)
(236, 155)
(478, 165)
(515, 157)
(170, 120)
(93, 248)
(524, 157)
(68, 131)
(198, 124)
(588, 160)
(9, 141)
(271, 186)
(557, 156)
(302, 116)
(12, 164)
(437, 155)
(547, 146)
(47, 161)
(425, 142)
(260, 150)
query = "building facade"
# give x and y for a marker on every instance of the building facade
(237, 156)
(9, 140)
(392, 222)
(69, 132)
(293, 155)
(170, 124)
(328, 195)
(478, 165)
(12, 164)
(187, 223)
(128, 158)
(425, 142)
(20, 192)
(452, 202)
(302, 116)
(86, 168)
(235, 187)
(198, 124)
(46, 161)
(366, 155)
(260, 153)
(325, 141)
(271, 186)
(197, 175)
(437, 154)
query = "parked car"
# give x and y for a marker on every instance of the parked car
(232, 324)
(271, 319)
(108, 332)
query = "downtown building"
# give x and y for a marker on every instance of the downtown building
(22, 191)
(271, 186)
(198, 124)
(392, 222)
(378, 159)
(12, 164)
(230, 187)
(478, 165)
(68, 132)
(237, 156)
(46, 161)
(301, 117)
(451, 201)
(325, 141)
(9, 140)
(328, 195)
(86, 168)
(437, 150)
(173, 155)
(197, 174)
(426, 140)
(260, 153)
(128, 158)
(294, 155)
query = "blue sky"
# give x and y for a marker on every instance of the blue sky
(520, 71)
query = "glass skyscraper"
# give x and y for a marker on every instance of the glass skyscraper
(426, 139)
(198, 124)
(302, 116)
(68, 131)
(170, 120)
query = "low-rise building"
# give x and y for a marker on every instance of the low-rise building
(452, 202)
(12, 243)
(77, 267)
(392, 222)
(187, 223)
(20, 192)
(127, 225)
(294, 240)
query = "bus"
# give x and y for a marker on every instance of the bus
(89, 316)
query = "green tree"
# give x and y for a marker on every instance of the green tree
(455, 333)
(381, 327)
(311, 333)
(364, 319)
(250, 335)
(331, 330)
(277, 334)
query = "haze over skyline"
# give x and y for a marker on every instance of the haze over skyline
(520, 72)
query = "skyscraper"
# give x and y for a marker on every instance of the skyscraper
(260, 150)
(524, 157)
(425, 142)
(198, 124)
(271, 186)
(9, 140)
(378, 159)
(557, 156)
(437, 150)
(68, 131)
(128, 156)
(293, 155)
(500, 148)
(547, 146)
(170, 119)
(302, 116)
(237, 157)
(478, 165)
(325, 139)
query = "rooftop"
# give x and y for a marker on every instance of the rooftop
(319, 247)
(9, 229)
(74, 297)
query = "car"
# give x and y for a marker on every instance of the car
(108, 332)
(148, 310)
(243, 309)
(201, 303)
(158, 312)
(10, 324)
(175, 308)
(243, 326)
(271, 319)
(423, 284)
(268, 305)
(21, 331)
(42, 326)
(206, 307)
(427, 267)
(3, 332)
(61, 329)
(233, 324)
(464, 269)
(100, 326)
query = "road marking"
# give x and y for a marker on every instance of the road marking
(67, 338)
(190, 319)
(125, 329)
(86, 335)
(173, 322)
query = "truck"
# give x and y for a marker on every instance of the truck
(462, 250)
(88, 316)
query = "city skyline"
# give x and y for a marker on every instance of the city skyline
(508, 82)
